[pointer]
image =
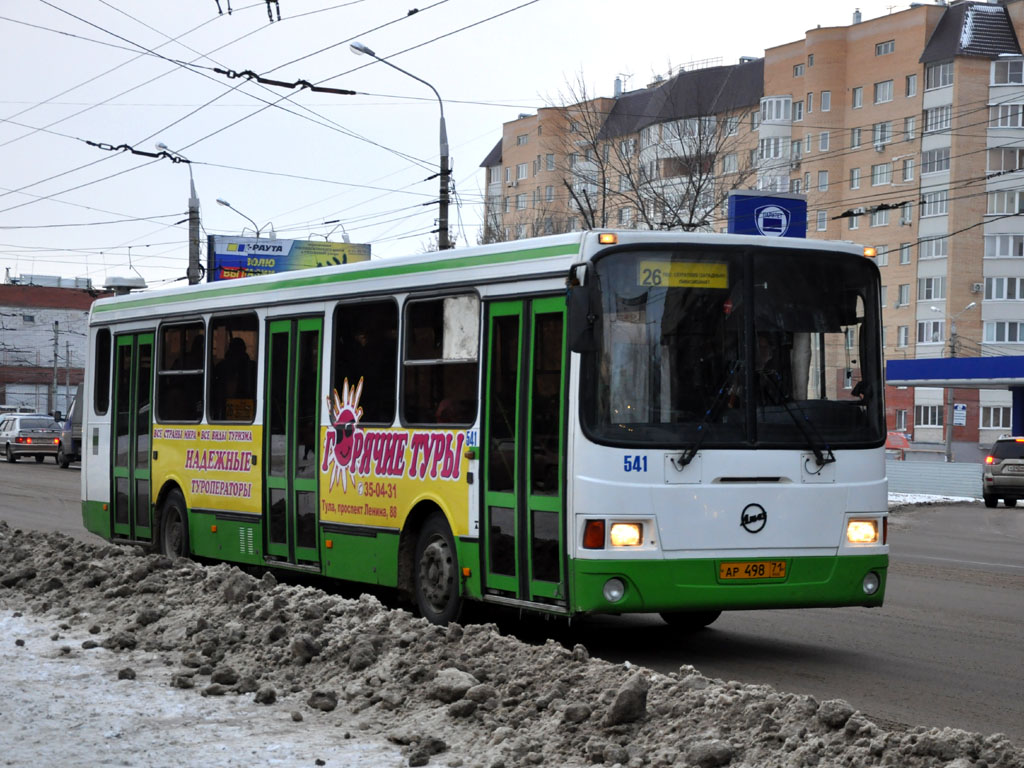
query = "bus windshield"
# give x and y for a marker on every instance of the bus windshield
(733, 346)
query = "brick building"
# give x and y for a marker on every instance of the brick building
(42, 339)
(904, 132)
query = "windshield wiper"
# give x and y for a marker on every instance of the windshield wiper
(690, 453)
(815, 442)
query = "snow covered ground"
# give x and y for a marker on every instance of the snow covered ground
(109, 657)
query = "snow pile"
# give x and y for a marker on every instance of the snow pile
(454, 696)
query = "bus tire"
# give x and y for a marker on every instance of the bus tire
(689, 619)
(436, 572)
(174, 526)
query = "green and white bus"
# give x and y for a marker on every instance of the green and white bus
(597, 422)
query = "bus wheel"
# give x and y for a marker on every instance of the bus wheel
(437, 572)
(690, 619)
(174, 526)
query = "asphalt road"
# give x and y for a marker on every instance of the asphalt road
(946, 649)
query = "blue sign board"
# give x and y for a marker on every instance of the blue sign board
(767, 214)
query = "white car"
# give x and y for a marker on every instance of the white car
(29, 434)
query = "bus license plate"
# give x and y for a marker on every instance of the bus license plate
(755, 569)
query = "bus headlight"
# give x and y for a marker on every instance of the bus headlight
(626, 534)
(614, 589)
(862, 531)
(871, 583)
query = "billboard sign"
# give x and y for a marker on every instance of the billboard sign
(233, 257)
(767, 214)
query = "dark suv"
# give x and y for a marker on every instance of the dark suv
(1003, 475)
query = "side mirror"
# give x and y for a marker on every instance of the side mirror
(581, 317)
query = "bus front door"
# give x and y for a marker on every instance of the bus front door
(524, 444)
(132, 508)
(291, 435)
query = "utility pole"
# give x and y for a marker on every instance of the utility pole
(67, 377)
(193, 233)
(53, 391)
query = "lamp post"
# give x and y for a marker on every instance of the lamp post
(949, 390)
(226, 204)
(337, 223)
(443, 242)
(193, 270)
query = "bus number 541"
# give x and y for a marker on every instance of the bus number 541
(634, 463)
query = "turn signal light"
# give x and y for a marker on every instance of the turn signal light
(593, 534)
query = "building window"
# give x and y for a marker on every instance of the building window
(908, 169)
(854, 138)
(927, 415)
(881, 174)
(884, 296)
(881, 133)
(822, 181)
(858, 97)
(730, 163)
(931, 288)
(574, 126)
(28, 319)
(909, 128)
(826, 101)
(549, 162)
(810, 59)
(900, 422)
(794, 186)
(508, 204)
(931, 331)
(882, 255)
(938, 75)
(810, 102)
(549, 194)
(1008, 72)
(521, 139)
(770, 148)
(521, 202)
(1005, 159)
(755, 119)
(937, 118)
(776, 109)
(935, 203)
(822, 220)
(1004, 288)
(1005, 202)
(855, 178)
(1003, 331)
(935, 160)
(522, 171)
(902, 335)
(798, 111)
(823, 141)
(911, 89)
(995, 417)
(881, 49)
(798, 70)
(933, 248)
(854, 221)
(1003, 246)
(903, 295)
(1006, 116)
(625, 217)
(883, 92)
(494, 174)
(905, 253)
(880, 218)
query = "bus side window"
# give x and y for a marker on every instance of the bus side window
(234, 350)
(440, 370)
(180, 376)
(101, 386)
(366, 349)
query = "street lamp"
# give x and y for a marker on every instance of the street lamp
(256, 229)
(949, 390)
(443, 242)
(337, 223)
(193, 270)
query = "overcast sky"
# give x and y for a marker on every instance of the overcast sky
(135, 72)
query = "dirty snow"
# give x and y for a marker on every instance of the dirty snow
(113, 657)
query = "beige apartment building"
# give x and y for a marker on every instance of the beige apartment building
(904, 132)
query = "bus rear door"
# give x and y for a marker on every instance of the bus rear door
(132, 422)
